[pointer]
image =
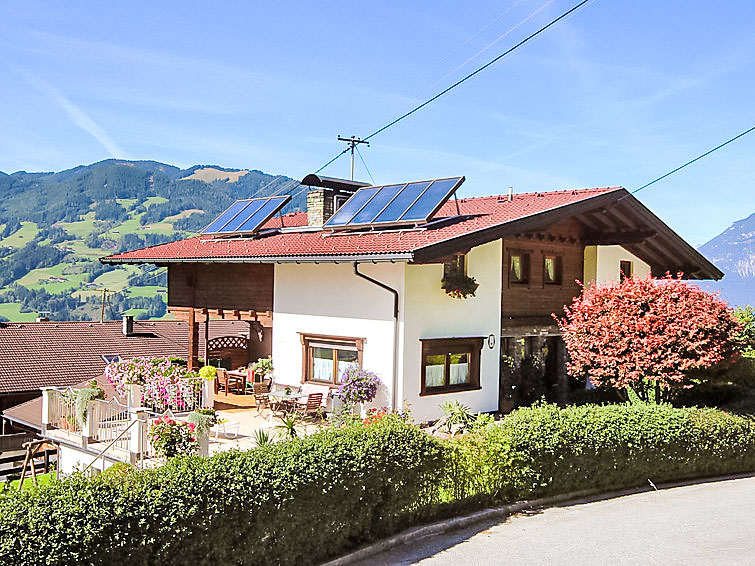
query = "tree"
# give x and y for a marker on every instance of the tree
(647, 334)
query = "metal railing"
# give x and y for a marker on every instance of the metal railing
(63, 410)
(111, 419)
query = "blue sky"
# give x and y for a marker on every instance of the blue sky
(618, 94)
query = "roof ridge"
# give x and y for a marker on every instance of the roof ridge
(561, 191)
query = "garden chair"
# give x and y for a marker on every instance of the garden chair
(312, 405)
(227, 381)
(261, 400)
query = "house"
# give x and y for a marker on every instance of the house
(357, 278)
(61, 354)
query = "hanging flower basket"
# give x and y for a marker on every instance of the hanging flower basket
(459, 286)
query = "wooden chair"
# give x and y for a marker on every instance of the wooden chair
(313, 404)
(261, 400)
(227, 381)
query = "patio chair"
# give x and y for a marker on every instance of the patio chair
(227, 381)
(261, 400)
(313, 404)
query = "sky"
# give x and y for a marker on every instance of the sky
(617, 94)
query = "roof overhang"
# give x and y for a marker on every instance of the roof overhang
(612, 218)
(344, 258)
(314, 180)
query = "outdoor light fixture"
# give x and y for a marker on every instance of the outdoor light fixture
(491, 341)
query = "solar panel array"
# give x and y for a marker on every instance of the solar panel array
(406, 203)
(246, 216)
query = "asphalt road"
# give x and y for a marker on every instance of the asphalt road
(707, 523)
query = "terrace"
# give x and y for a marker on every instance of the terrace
(116, 429)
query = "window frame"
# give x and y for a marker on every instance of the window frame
(446, 346)
(526, 273)
(456, 265)
(623, 275)
(307, 341)
(558, 280)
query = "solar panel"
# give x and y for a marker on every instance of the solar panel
(246, 216)
(408, 203)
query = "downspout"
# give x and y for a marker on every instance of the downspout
(394, 380)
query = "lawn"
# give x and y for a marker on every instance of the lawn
(146, 291)
(42, 479)
(81, 228)
(12, 311)
(118, 278)
(22, 236)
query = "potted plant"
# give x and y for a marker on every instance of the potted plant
(171, 438)
(459, 286)
(358, 386)
(263, 367)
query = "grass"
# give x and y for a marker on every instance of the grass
(22, 236)
(42, 479)
(12, 311)
(146, 291)
(118, 278)
(39, 278)
(81, 228)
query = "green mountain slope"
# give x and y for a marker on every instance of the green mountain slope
(54, 226)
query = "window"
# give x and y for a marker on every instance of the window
(519, 267)
(456, 265)
(552, 270)
(625, 270)
(326, 357)
(449, 365)
(338, 201)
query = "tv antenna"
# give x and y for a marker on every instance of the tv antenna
(353, 142)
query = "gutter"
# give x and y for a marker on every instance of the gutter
(382, 285)
(345, 258)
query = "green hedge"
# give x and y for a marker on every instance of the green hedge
(304, 501)
(296, 502)
(546, 450)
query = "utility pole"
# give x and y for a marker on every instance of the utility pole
(353, 142)
(105, 291)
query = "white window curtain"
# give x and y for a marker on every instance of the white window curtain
(323, 369)
(434, 375)
(459, 373)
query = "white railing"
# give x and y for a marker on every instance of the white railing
(110, 419)
(181, 397)
(62, 410)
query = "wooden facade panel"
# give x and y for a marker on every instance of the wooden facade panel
(536, 298)
(242, 286)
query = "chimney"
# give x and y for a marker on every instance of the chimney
(320, 206)
(326, 196)
(128, 325)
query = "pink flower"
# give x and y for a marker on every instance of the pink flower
(191, 427)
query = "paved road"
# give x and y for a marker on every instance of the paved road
(708, 523)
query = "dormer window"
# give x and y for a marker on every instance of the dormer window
(552, 270)
(519, 268)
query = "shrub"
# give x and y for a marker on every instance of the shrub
(296, 502)
(545, 450)
(171, 438)
(647, 334)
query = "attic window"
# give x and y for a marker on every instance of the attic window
(552, 270)
(625, 270)
(519, 268)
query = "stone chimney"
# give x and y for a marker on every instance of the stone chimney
(320, 206)
(128, 325)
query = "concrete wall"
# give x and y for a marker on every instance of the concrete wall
(429, 313)
(602, 263)
(71, 459)
(329, 299)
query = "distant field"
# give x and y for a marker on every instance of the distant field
(118, 278)
(22, 236)
(210, 174)
(12, 311)
(146, 291)
(81, 228)
(149, 201)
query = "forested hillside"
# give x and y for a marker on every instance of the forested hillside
(55, 226)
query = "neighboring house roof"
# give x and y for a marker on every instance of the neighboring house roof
(58, 354)
(612, 216)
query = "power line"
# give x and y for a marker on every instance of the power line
(476, 71)
(359, 153)
(332, 160)
(699, 157)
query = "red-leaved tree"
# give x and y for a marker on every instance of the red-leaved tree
(647, 334)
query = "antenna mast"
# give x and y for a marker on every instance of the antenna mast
(353, 142)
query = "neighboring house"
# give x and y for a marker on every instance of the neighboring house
(355, 290)
(60, 354)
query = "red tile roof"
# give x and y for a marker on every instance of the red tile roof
(57, 354)
(477, 214)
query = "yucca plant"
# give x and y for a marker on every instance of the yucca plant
(290, 427)
(261, 437)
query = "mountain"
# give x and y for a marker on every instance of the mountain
(55, 225)
(733, 251)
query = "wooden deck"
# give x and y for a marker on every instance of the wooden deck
(223, 402)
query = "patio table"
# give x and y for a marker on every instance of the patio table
(283, 396)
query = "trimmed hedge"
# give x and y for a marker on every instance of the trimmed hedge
(545, 450)
(295, 502)
(303, 501)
